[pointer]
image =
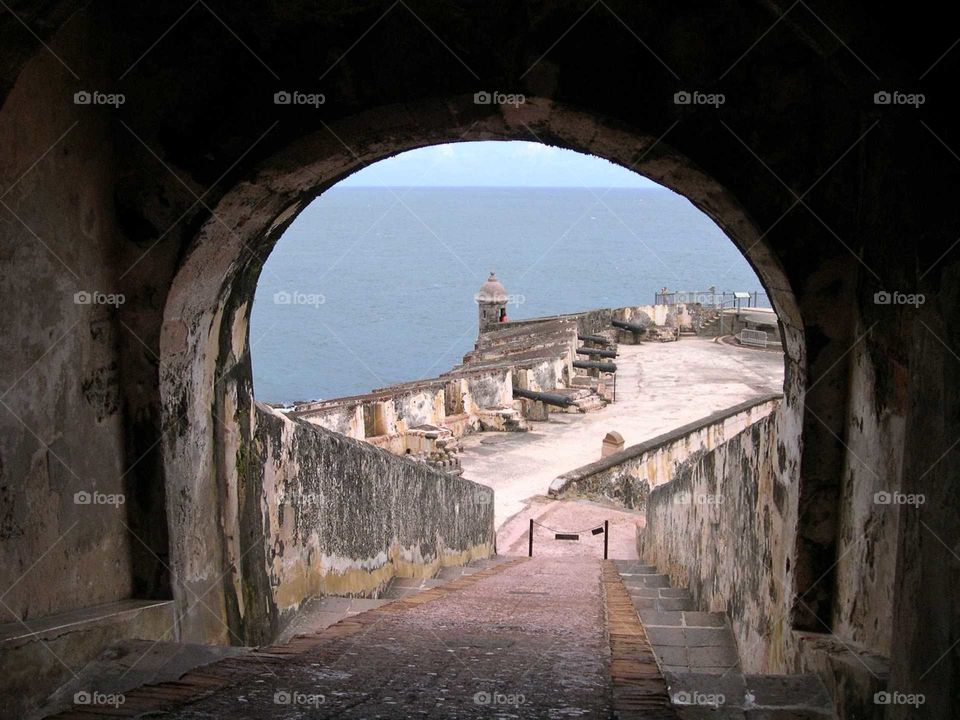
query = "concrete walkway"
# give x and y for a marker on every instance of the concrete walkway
(660, 386)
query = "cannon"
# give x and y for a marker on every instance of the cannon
(608, 367)
(547, 398)
(597, 352)
(624, 325)
(599, 339)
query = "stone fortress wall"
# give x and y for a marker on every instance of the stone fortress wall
(535, 354)
(340, 517)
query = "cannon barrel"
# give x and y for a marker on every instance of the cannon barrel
(595, 365)
(624, 325)
(598, 352)
(596, 339)
(548, 398)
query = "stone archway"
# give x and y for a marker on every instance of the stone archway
(205, 372)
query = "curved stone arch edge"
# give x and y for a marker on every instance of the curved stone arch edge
(205, 335)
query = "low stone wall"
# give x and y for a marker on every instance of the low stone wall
(385, 416)
(597, 321)
(342, 517)
(628, 476)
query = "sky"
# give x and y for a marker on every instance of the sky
(495, 164)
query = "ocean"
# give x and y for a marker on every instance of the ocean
(372, 286)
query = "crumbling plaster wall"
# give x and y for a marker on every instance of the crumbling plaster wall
(721, 528)
(401, 408)
(488, 390)
(341, 517)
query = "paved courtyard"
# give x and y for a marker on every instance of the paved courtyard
(660, 386)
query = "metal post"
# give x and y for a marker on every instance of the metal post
(606, 538)
(530, 546)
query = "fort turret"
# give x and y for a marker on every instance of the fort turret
(491, 304)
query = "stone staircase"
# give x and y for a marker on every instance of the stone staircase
(710, 323)
(697, 653)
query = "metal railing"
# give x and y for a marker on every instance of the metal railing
(753, 337)
(712, 298)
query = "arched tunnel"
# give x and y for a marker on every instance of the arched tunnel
(153, 153)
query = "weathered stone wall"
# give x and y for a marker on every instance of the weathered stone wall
(64, 421)
(722, 528)
(340, 516)
(627, 477)
(488, 390)
(397, 409)
(870, 511)
(716, 528)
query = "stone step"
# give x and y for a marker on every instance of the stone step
(660, 592)
(646, 581)
(691, 641)
(661, 603)
(634, 567)
(688, 619)
(698, 655)
(591, 403)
